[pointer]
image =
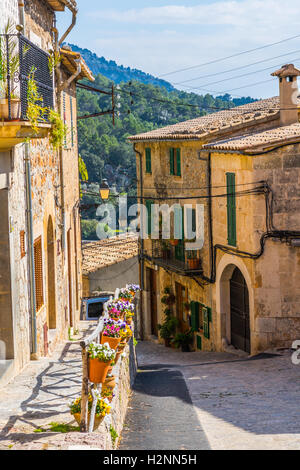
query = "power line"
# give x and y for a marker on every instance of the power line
(236, 68)
(231, 56)
(243, 75)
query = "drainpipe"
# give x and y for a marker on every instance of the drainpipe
(30, 246)
(141, 254)
(21, 14)
(74, 17)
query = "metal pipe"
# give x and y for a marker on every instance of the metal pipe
(141, 253)
(21, 14)
(74, 17)
(30, 244)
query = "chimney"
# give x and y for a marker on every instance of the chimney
(288, 91)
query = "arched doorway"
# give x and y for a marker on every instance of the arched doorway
(51, 276)
(239, 311)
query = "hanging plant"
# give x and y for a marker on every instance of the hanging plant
(54, 61)
(58, 130)
(35, 111)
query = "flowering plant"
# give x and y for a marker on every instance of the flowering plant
(126, 294)
(113, 328)
(102, 409)
(102, 352)
(107, 393)
(126, 332)
(120, 307)
(133, 287)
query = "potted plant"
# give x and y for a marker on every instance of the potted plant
(167, 329)
(107, 393)
(100, 358)
(103, 408)
(110, 382)
(174, 241)
(111, 333)
(183, 340)
(10, 54)
(193, 260)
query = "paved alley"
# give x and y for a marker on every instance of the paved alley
(213, 400)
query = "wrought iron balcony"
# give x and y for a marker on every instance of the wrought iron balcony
(176, 258)
(19, 58)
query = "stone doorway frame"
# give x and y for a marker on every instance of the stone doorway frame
(225, 269)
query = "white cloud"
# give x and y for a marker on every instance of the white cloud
(219, 13)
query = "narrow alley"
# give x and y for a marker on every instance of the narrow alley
(212, 400)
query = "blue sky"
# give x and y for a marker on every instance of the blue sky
(161, 36)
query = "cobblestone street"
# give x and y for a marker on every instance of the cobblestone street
(240, 403)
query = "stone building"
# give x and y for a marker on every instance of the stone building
(241, 289)
(40, 242)
(109, 263)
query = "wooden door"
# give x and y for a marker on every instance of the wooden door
(153, 301)
(181, 311)
(240, 315)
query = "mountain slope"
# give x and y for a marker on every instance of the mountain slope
(118, 73)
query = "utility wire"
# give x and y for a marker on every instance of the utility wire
(236, 68)
(231, 56)
(243, 75)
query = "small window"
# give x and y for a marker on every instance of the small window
(38, 273)
(148, 161)
(22, 243)
(175, 162)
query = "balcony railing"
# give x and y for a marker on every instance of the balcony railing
(18, 58)
(176, 258)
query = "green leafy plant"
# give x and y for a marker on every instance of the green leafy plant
(84, 176)
(58, 130)
(168, 327)
(114, 434)
(35, 111)
(183, 340)
(54, 61)
(135, 342)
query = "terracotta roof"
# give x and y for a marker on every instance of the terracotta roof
(102, 253)
(69, 59)
(251, 142)
(59, 5)
(198, 128)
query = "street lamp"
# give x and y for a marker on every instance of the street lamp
(104, 190)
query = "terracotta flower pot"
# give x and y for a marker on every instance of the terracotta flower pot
(110, 382)
(98, 370)
(98, 420)
(193, 263)
(174, 242)
(15, 109)
(122, 346)
(113, 342)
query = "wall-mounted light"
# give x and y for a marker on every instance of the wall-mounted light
(104, 190)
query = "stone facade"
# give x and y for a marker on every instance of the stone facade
(56, 221)
(272, 280)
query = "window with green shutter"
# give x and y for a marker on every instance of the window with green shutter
(178, 162)
(179, 232)
(175, 162)
(199, 342)
(149, 215)
(231, 209)
(172, 162)
(206, 322)
(148, 161)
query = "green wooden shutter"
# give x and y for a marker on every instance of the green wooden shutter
(206, 322)
(148, 207)
(178, 162)
(199, 342)
(179, 230)
(231, 209)
(148, 160)
(172, 162)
